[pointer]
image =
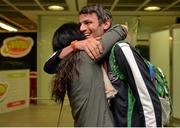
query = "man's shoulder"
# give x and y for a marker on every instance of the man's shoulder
(118, 46)
(121, 43)
(114, 26)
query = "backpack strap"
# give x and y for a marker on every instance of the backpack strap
(114, 66)
(151, 72)
(116, 69)
(140, 84)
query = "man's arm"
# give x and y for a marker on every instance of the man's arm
(94, 48)
(91, 46)
(51, 64)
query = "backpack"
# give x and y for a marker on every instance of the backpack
(161, 84)
(159, 80)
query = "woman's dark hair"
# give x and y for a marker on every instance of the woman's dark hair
(63, 36)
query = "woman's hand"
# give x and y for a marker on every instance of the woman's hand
(91, 46)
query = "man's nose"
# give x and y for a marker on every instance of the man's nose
(83, 28)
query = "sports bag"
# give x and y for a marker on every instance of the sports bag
(161, 84)
(158, 78)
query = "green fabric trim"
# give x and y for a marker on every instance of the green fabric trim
(113, 64)
(117, 71)
(160, 83)
(131, 102)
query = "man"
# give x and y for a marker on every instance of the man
(94, 24)
(95, 45)
(143, 97)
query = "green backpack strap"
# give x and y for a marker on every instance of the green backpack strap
(114, 66)
(116, 69)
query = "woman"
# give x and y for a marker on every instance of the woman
(82, 78)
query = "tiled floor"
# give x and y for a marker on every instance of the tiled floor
(44, 115)
(37, 116)
(174, 123)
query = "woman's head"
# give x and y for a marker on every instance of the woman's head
(65, 34)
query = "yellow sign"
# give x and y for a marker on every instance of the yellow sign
(16, 47)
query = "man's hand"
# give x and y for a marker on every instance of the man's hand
(91, 46)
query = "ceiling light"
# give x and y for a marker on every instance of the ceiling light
(55, 8)
(152, 8)
(7, 27)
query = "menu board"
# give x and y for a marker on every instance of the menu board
(14, 90)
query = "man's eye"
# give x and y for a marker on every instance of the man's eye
(87, 23)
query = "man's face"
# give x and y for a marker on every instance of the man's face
(90, 25)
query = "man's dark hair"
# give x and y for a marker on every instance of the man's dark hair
(102, 14)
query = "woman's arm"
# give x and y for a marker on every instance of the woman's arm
(97, 48)
(91, 46)
(113, 35)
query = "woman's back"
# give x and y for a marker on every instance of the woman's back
(87, 97)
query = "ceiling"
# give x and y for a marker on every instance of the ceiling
(23, 14)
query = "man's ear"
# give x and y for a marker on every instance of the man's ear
(107, 25)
